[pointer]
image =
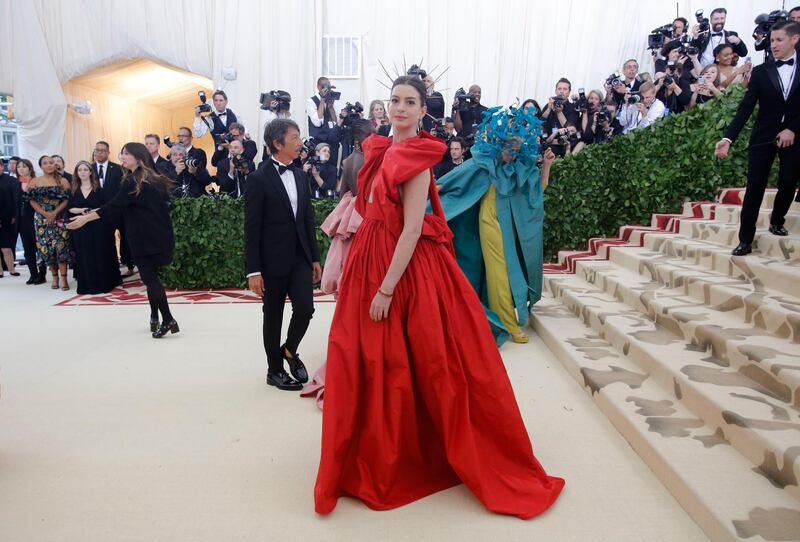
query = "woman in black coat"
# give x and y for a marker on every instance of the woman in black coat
(142, 206)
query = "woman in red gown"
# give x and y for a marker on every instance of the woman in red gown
(417, 398)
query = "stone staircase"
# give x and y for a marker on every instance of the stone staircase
(694, 355)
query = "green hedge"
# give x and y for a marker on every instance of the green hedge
(650, 170)
(209, 242)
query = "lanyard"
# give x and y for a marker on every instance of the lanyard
(786, 89)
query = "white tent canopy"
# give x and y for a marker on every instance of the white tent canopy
(512, 48)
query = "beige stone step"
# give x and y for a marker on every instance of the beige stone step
(727, 235)
(730, 214)
(755, 418)
(769, 199)
(693, 460)
(737, 344)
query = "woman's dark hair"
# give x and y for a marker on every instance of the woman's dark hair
(530, 101)
(669, 47)
(414, 81)
(42, 157)
(362, 129)
(146, 172)
(721, 47)
(56, 173)
(276, 131)
(27, 164)
(76, 180)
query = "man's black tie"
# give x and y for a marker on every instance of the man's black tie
(779, 63)
(717, 34)
(100, 171)
(281, 168)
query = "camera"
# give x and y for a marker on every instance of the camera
(603, 116)
(465, 100)
(168, 142)
(582, 104)
(416, 70)
(705, 26)
(688, 50)
(634, 98)
(240, 163)
(353, 111)
(227, 137)
(764, 23)
(203, 107)
(283, 98)
(437, 130)
(558, 102)
(331, 95)
(658, 36)
(615, 79)
(192, 162)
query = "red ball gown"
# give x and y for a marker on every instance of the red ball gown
(420, 401)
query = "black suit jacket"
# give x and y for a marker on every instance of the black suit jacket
(228, 185)
(272, 234)
(774, 113)
(701, 42)
(250, 152)
(112, 179)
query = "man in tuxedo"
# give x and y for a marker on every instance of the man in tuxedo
(707, 41)
(324, 125)
(153, 144)
(230, 175)
(775, 88)
(187, 185)
(281, 252)
(185, 139)
(110, 175)
(218, 121)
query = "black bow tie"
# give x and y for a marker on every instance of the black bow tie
(281, 168)
(779, 63)
(717, 34)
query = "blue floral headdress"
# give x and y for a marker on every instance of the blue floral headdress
(511, 129)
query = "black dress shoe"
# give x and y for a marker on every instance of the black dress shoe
(40, 280)
(296, 366)
(153, 325)
(14, 274)
(283, 381)
(30, 280)
(166, 327)
(742, 249)
(778, 230)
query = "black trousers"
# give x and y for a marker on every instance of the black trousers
(299, 286)
(28, 235)
(124, 250)
(759, 164)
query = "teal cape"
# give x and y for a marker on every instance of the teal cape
(520, 209)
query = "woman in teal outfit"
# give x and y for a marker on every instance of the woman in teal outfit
(494, 205)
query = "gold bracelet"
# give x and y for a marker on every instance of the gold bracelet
(380, 291)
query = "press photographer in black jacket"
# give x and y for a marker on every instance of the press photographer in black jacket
(233, 170)
(322, 174)
(189, 181)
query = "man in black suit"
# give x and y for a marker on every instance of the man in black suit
(187, 185)
(153, 144)
(185, 139)
(775, 87)
(281, 252)
(235, 132)
(230, 174)
(706, 42)
(110, 175)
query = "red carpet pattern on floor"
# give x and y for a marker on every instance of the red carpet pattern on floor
(133, 292)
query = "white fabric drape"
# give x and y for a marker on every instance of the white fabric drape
(512, 48)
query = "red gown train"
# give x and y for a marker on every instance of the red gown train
(420, 401)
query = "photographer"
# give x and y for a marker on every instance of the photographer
(619, 86)
(707, 86)
(351, 165)
(321, 172)
(682, 54)
(679, 28)
(456, 150)
(217, 119)
(323, 122)
(641, 109)
(378, 118)
(349, 114)
(468, 111)
(672, 89)
(275, 105)
(235, 133)
(190, 180)
(185, 139)
(435, 103)
(234, 169)
(558, 115)
(607, 125)
(589, 116)
(707, 34)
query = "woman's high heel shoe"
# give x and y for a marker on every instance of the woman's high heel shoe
(65, 285)
(153, 325)
(166, 327)
(520, 337)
